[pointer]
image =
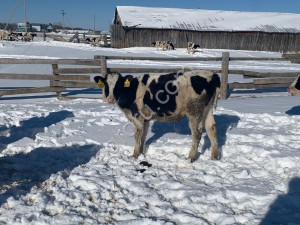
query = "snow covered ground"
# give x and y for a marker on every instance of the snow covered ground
(70, 162)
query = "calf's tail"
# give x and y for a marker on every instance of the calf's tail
(216, 82)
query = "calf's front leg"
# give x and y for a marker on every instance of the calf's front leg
(141, 129)
(138, 142)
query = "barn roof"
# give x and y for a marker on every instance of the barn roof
(208, 20)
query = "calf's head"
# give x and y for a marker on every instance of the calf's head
(113, 85)
(294, 88)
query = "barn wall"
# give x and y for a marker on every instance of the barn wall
(282, 42)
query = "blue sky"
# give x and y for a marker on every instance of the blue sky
(81, 13)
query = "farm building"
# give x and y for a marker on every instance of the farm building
(140, 26)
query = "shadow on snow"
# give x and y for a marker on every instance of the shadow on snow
(31, 127)
(21, 172)
(295, 111)
(223, 122)
(285, 209)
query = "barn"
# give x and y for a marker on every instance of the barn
(267, 31)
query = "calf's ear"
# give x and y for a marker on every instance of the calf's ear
(127, 80)
(129, 77)
(100, 81)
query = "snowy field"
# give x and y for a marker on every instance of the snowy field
(69, 162)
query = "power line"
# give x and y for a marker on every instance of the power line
(12, 15)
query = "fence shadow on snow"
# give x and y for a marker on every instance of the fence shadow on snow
(31, 127)
(21, 172)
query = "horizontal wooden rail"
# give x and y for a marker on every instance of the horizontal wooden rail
(88, 62)
(73, 84)
(291, 55)
(77, 70)
(191, 58)
(274, 80)
(295, 60)
(30, 90)
(237, 85)
(12, 76)
(143, 70)
(264, 74)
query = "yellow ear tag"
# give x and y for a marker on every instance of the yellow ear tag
(127, 83)
(100, 84)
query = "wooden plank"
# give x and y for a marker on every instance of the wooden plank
(74, 84)
(236, 85)
(88, 62)
(55, 74)
(257, 59)
(291, 55)
(12, 76)
(161, 58)
(192, 58)
(143, 70)
(272, 86)
(77, 70)
(224, 77)
(264, 74)
(295, 60)
(281, 80)
(69, 98)
(103, 65)
(30, 90)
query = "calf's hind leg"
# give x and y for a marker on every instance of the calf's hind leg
(196, 129)
(211, 131)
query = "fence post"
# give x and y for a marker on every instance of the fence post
(224, 78)
(103, 65)
(54, 72)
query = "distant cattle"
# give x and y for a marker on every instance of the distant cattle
(294, 88)
(3, 35)
(164, 45)
(192, 47)
(169, 97)
(95, 41)
(27, 36)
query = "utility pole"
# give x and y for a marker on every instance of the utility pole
(94, 24)
(63, 13)
(25, 15)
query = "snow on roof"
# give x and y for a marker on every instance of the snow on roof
(208, 20)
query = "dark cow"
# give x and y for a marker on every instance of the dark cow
(169, 97)
(170, 45)
(192, 47)
(294, 88)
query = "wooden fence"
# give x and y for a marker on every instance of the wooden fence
(78, 73)
(60, 79)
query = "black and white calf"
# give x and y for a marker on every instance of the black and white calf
(169, 97)
(192, 47)
(294, 88)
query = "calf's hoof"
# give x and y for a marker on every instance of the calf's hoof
(192, 157)
(135, 155)
(214, 157)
